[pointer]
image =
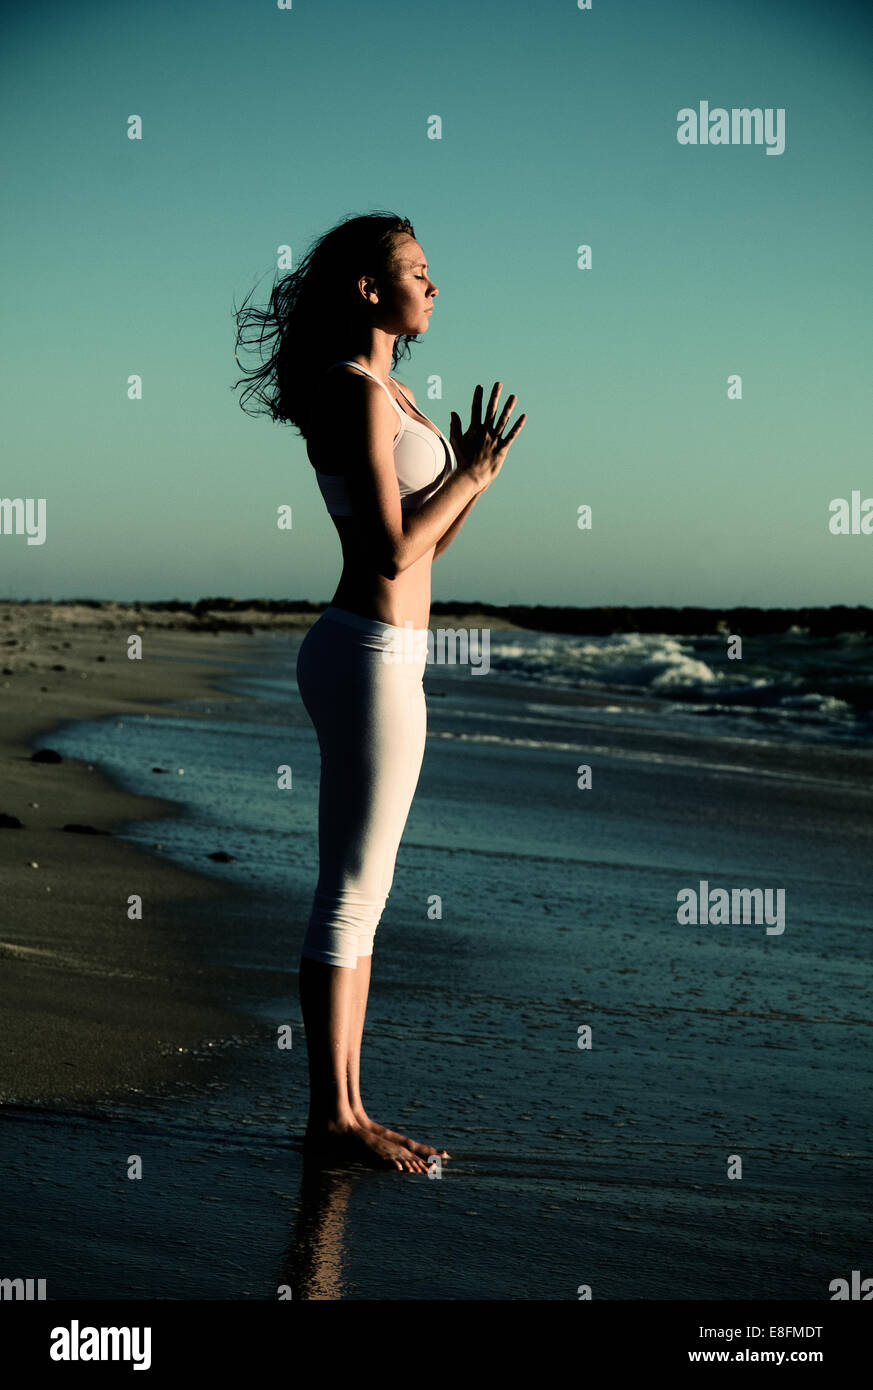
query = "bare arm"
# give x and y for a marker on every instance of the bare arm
(363, 431)
(363, 436)
(448, 536)
(445, 541)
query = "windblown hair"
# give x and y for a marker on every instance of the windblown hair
(313, 314)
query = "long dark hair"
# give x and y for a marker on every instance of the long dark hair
(313, 315)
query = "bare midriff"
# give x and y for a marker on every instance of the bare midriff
(362, 590)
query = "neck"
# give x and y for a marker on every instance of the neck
(374, 348)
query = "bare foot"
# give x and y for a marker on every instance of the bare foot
(357, 1143)
(423, 1150)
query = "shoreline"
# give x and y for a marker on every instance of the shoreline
(92, 1004)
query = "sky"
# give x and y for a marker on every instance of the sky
(263, 126)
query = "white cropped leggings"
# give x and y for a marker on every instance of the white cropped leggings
(370, 717)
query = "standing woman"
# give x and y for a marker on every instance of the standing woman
(398, 493)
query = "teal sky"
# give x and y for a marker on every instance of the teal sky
(264, 126)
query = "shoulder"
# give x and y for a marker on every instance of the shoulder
(344, 383)
(349, 410)
(350, 382)
(404, 388)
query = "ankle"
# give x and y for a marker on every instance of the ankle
(332, 1122)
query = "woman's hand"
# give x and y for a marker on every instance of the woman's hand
(480, 451)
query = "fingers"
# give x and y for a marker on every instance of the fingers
(492, 403)
(505, 414)
(475, 409)
(489, 422)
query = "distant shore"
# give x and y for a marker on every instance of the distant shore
(252, 615)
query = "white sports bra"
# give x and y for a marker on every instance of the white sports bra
(421, 465)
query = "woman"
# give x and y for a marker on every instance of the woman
(398, 493)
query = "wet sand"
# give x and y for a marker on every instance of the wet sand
(91, 1002)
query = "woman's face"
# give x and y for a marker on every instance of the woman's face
(406, 296)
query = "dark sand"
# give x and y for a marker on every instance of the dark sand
(92, 1003)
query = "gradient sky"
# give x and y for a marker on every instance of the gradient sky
(264, 127)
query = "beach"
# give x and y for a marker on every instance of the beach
(91, 1003)
(651, 1107)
